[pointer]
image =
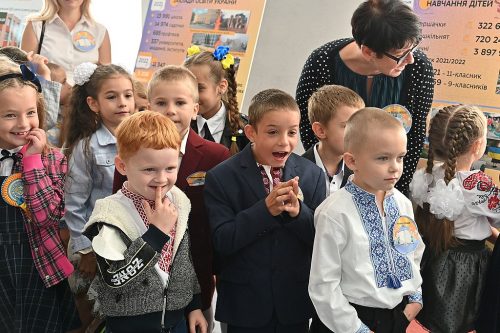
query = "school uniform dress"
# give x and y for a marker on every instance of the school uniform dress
(413, 89)
(365, 266)
(219, 129)
(263, 260)
(34, 294)
(454, 279)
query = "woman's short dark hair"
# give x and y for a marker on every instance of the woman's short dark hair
(385, 25)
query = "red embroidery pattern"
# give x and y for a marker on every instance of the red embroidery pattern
(493, 202)
(483, 182)
(275, 174)
(168, 249)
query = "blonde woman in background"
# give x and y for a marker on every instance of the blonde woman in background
(65, 32)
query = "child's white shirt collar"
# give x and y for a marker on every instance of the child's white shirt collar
(215, 124)
(7, 164)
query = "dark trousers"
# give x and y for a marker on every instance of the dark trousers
(273, 327)
(378, 320)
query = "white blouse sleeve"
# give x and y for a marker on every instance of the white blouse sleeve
(481, 195)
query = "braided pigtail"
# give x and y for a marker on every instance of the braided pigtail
(452, 133)
(233, 113)
(422, 214)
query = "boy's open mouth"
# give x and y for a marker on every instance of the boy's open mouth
(280, 154)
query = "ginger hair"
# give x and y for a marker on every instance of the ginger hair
(147, 129)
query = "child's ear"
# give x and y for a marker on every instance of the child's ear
(350, 161)
(476, 145)
(250, 132)
(120, 165)
(318, 130)
(196, 109)
(222, 87)
(93, 105)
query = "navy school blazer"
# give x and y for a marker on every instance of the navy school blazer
(263, 260)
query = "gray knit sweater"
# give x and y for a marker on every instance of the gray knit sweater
(131, 285)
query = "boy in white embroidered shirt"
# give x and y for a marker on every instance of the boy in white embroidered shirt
(367, 250)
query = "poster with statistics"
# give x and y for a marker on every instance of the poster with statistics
(462, 40)
(171, 27)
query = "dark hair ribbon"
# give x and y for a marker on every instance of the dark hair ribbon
(26, 74)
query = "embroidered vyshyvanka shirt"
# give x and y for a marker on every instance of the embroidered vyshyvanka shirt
(355, 259)
(481, 202)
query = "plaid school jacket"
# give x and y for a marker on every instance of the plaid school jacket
(43, 177)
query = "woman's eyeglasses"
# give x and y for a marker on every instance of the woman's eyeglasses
(399, 60)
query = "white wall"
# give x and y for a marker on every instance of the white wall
(290, 31)
(123, 19)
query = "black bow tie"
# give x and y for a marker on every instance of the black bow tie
(7, 154)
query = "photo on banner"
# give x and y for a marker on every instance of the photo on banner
(171, 27)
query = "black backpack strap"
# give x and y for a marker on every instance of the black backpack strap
(42, 33)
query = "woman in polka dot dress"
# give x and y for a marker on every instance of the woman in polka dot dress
(383, 65)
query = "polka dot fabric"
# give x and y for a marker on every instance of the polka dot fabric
(416, 95)
(452, 286)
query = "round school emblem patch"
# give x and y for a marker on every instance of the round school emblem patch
(400, 113)
(83, 41)
(405, 235)
(13, 190)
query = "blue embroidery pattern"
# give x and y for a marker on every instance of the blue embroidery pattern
(363, 329)
(381, 253)
(415, 298)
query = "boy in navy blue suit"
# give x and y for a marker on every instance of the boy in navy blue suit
(261, 207)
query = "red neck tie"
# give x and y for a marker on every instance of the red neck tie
(275, 175)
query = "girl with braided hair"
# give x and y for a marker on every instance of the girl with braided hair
(218, 119)
(455, 212)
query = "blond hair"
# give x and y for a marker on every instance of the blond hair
(171, 73)
(269, 100)
(146, 129)
(324, 102)
(8, 66)
(139, 88)
(51, 8)
(364, 124)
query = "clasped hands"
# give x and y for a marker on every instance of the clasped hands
(284, 198)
